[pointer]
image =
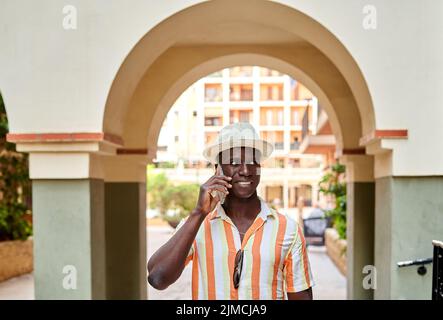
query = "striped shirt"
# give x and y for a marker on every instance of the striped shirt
(275, 259)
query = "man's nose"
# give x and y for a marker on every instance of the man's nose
(244, 170)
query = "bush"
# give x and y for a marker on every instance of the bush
(166, 165)
(15, 188)
(164, 196)
(332, 184)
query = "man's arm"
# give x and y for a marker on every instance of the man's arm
(167, 264)
(302, 295)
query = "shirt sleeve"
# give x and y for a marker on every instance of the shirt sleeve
(297, 270)
(191, 251)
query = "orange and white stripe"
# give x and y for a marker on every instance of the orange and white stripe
(275, 258)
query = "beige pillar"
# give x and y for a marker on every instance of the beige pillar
(360, 222)
(125, 212)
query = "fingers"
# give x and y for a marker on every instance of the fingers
(219, 173)
(218, 188)
(222, 182)
(223, 177)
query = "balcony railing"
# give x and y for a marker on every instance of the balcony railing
(213, 121)
(279, 145)
(295, 145)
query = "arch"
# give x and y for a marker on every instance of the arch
(233, 60)
(176, 49)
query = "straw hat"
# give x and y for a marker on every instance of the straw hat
(241, 134)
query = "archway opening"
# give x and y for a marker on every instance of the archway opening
(283, 111)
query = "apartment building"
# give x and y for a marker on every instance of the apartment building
(273, 102)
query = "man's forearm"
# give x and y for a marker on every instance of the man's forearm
(167, 264)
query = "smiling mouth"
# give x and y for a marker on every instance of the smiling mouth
(244, 183)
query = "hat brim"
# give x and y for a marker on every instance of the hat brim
(211, 152)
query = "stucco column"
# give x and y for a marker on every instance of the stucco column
(360, 223)
(69, 226)
(89, 211)
(408, 217)
(125, 214)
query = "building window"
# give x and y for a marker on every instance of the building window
(268, 117)
(240, 116)
(213, 92)
(240, 92)
(213, 121)
(271, 116)
(295, 118)
(279, 163)
(274, 195)
(271, 92)
(244, 116)
(280, 117)
(304, 192)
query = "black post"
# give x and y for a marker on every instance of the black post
(437, 273)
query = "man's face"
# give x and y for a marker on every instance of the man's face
(243, 165)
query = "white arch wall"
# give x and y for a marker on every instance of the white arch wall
(55, 80)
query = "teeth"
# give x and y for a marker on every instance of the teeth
(245, 183)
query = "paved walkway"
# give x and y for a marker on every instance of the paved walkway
(330, 284)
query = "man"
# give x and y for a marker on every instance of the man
(240, 248)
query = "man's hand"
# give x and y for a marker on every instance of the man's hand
(167, 263)
(218, 182)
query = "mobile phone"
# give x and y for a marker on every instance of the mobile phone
(221, 195)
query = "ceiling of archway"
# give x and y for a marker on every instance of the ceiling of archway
(236, 32)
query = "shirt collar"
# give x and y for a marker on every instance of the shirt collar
(265, 211)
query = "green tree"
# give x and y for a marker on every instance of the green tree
(15, 187)
(184, 199)
(332, 184)
(159, 190)
(165, 196)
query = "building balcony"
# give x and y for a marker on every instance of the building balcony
(321, 144)
(323, 141)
